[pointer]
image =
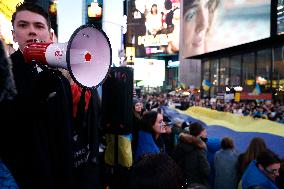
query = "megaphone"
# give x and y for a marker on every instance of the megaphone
(87, 55)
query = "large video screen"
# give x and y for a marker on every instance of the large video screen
(280, 17)
(153, 26)
(150, 72)
(210, 25)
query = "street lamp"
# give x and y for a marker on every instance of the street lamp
(95, 14)
(94, 10)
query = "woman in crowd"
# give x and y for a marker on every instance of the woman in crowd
(137, 116)
(7, 93)
(225, 162)
(149, 140)
(256, 146)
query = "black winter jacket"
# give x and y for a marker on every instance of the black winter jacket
(193, 161)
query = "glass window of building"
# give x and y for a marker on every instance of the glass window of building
(248, 80)
(263, 65)
(206, 70)
(224, 74)
(278, 73)
(214, 77)
(206, 74)
(235, 65)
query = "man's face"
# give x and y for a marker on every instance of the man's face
(272, 171)
(29, 26)
(203, 133)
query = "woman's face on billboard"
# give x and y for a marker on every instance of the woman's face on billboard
(196, 22)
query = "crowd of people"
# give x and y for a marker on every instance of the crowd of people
(203, 160)
(257, 109)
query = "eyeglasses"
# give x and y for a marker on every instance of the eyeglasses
(272, 171)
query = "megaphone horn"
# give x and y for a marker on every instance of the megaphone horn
(87, 55)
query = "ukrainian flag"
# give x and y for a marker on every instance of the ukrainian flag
(206, 84)
(240, 128)
(256, 90)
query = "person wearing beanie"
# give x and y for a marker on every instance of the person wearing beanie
(192, 159)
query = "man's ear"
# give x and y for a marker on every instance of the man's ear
(14, 37)
(51, 35)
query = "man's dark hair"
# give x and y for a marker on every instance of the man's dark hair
(195, 128)
(32, 7)
(267, 158)
(156, 171)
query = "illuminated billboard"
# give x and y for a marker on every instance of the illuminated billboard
(210, 25)
(7, 8)
(153, 26)
(150, 72)
(280, 17)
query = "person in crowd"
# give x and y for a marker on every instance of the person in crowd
(213, 144)
(192, 159)
(8, 88)
(197, 19)
(280, 178)
(179, 132)
(262, 171)
(177, 129)
(38, 144)
(24, 143)
(7, 93)
(225, 162)
(137, 116)
(149, 138)
(156, 171)
(6, 178)
(256, 146)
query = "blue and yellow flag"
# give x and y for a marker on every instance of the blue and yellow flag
(240, 128)
(206, 84)
(256, 90)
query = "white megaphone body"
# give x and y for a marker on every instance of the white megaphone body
(87, 55)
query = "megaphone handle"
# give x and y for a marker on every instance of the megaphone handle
(35, 52)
